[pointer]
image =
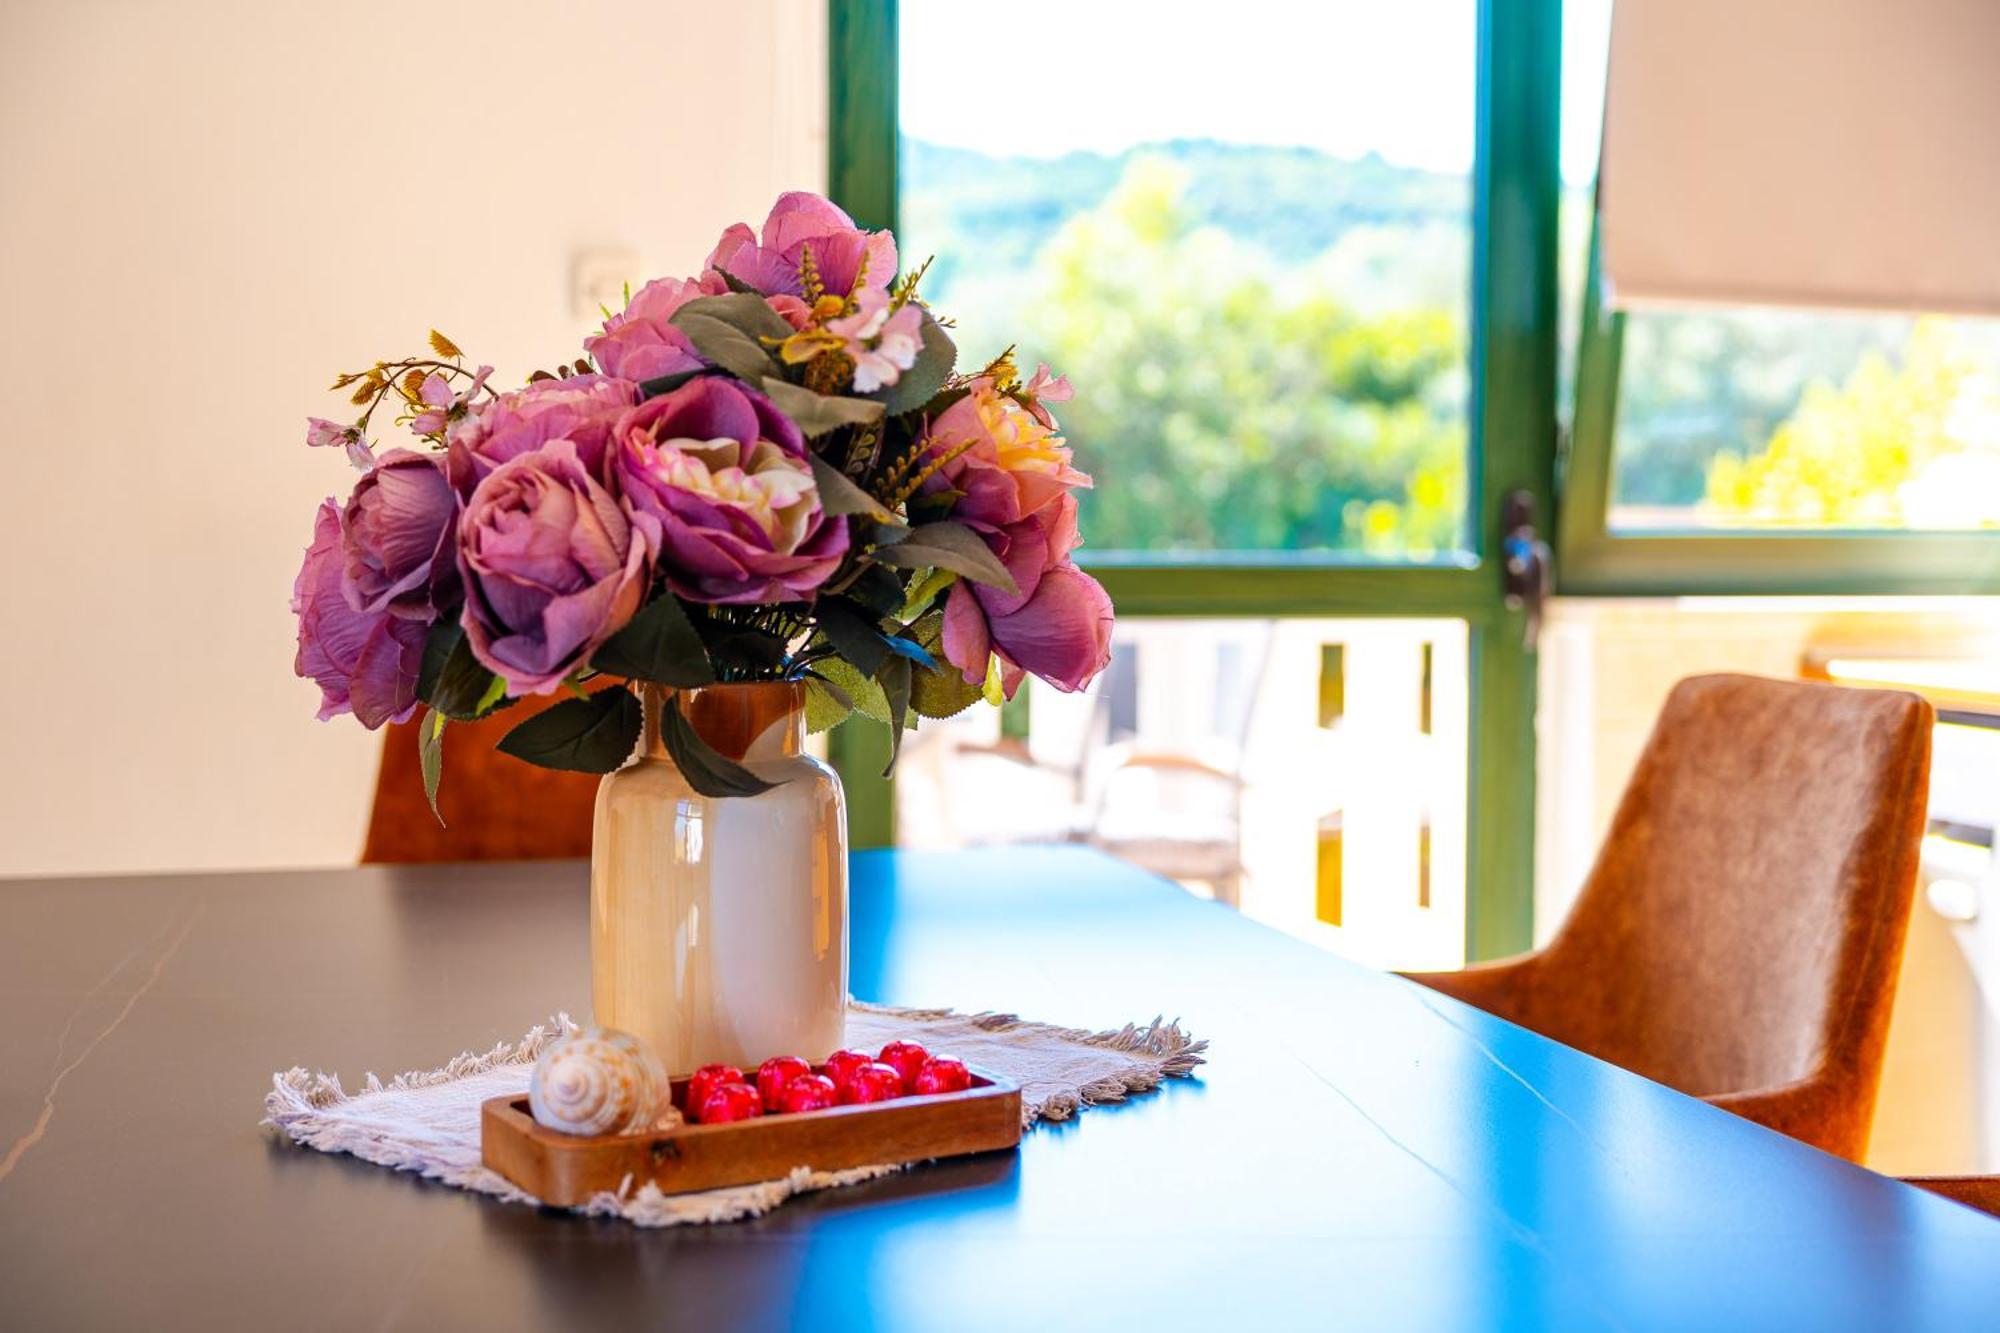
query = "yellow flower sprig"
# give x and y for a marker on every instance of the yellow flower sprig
(404, 379)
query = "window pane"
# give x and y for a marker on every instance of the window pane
(1781, 419)
(1313, 771)
(1807, 419)
(1586, 50)
(1257, 280)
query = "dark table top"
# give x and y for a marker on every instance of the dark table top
(1359, 1153)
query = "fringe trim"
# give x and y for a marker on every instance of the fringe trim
(1170, 1053)
(297, 1092)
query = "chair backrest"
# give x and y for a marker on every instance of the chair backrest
(1743, 924)
(495, 807)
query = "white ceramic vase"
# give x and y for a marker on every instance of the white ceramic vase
(718, 926)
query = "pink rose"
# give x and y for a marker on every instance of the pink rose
(1011, 481)
(846, 257)
(580, 409)
(397, 530)
(551, 565)
(1056, 626)
(364, 662)
(716, 481)
(638, 343)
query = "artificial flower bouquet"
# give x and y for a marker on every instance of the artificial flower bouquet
(772, 471)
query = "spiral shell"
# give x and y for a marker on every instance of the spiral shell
(600, 1081)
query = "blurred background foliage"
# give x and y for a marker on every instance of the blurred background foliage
(1285, 378)
(1269, 349)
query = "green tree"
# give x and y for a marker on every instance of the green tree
(1846, 456)
(1223, 403)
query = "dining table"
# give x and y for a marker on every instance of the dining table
(1358, 1152)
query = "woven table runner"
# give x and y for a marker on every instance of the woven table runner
(428, 1121)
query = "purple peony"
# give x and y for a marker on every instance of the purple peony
(846, 257)
(580, 409)
(364, 662)
(397, 532)
(638, 343)
(551, 565)
(716, 481)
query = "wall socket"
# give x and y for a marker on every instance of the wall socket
(598, 278)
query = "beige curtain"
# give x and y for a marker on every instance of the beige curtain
(1804, 152)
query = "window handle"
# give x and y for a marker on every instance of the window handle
(1528, 571)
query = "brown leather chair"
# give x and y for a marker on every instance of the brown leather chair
(1739, 936)
(1981, 1192)
(495, 807)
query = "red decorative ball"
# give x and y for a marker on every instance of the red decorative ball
(730, 1101)
(775, 1075)
(706, 1080)
(872, 1082)
(941, 1073)
(808, 1092)
(907, 1058)
(841, 1064)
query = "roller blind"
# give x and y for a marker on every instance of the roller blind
(1803, 152)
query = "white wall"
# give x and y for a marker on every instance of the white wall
(208, 209)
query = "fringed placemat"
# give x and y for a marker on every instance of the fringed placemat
(428, 1121)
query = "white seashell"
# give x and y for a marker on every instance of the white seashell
(601, 1081)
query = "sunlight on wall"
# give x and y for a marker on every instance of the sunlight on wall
(215, 206)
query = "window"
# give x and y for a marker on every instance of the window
(1806, 419)
(1310, 771)
(1759, 449)
(1258, 280)
(1307, 301)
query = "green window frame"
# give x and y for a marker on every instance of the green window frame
(1512, 362)
(1592, 560)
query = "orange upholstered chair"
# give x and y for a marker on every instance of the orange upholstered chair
(1981, 1192)
(495, 807)
(1739, 936)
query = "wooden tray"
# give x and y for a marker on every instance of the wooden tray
(565, 1169)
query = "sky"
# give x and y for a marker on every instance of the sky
(1040, 78)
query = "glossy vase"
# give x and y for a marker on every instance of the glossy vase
(718, 926)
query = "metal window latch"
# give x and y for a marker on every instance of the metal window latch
(1528, 571)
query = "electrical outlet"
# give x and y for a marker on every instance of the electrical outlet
(599, 276)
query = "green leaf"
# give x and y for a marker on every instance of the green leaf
(920, 383)
(658, 645)
(841, 494)
(594, 734)
(924, 591)
(736, 284)
(451, 680)
(952, 546)
(660, 384)
(745, 311)
(878, 588)
(827, 705)
(817, 413)
(706, 769)
(495, 693)
(725, 344)
(853, 631)
(863, 691)
(895, 679)
(430, 757)
(943, 691)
